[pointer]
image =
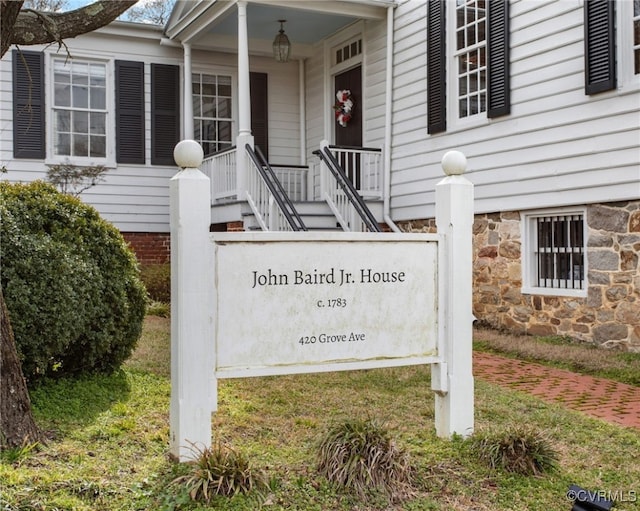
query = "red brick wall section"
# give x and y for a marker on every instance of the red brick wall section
(149, 247)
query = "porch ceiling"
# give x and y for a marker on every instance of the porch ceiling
(214, 25)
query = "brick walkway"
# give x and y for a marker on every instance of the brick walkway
(605, 399)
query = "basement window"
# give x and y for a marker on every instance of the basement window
(554, 253)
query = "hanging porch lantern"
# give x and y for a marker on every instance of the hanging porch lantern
(281, 45)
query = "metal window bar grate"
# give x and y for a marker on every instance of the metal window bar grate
(560, 253)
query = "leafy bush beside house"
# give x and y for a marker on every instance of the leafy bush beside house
(70, 283)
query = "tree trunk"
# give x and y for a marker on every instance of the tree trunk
(34, 27)
(17, 425)
(9, 11)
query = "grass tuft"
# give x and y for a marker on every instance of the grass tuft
(517, 449)
(14, 456)
(360, 455)
(220, 470)
(160, 309)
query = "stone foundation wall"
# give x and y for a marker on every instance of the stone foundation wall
(610, 313)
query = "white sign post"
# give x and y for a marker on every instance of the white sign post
(269, 303)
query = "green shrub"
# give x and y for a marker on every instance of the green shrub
(70, 282)
(360, 455)
(518, 449)
(157, 280)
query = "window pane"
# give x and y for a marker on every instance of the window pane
(63, 120)
(208, 106)
(471, 35)
(224, 86)
(196, 130)
(80, 145)
(98, 123)
(80, 73)
(196, 106)
(462, 84)
(208, 85)
(63, 144)
(208, 148)
(224, 131)
(61, 72)
(98, 98)
(98, 75)
(208, 130)
(62, 95)
(80, 122)
(98, 146)
(80, 97)
(463, 107)
(224, 108)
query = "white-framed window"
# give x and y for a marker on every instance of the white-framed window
(80, 114)
(470, 57)
(628, 43)
(554, 252)
(212, 111)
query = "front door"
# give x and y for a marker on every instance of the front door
(350, 134)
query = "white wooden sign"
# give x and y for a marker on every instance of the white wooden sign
(306, 302)
(252, 304)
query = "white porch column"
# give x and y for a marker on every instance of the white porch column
(453, 378)
(244, 101)
(187, 101)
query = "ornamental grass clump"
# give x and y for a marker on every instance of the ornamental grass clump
(220, 470)
(360, 455)
(518, 449)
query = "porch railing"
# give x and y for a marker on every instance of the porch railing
(363, 166)
(342, 196)
(221, 168)
(294, 180)
(267, 198)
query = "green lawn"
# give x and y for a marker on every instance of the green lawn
(109, 442)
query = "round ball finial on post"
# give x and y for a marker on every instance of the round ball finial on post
(454, 163)
(188, 154)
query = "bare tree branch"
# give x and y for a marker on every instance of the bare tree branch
(36, 27)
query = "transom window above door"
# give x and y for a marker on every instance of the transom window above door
(347, 50)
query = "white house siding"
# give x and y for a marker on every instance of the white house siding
(409, 191)
(133, 197)
(374, 82)
(557, 147)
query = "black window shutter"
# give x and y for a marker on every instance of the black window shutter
(129, 112)
(436, 67)
(498, 81)
(28, 104)
(165, 112)
(600, 46)
(259, 111)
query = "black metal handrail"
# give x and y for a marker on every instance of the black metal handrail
(275, 187)
(349, 190)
